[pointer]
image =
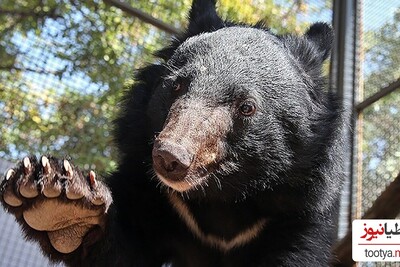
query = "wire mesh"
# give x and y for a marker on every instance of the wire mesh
(60, 88)
(381, 20)
(379, 144)
(172, 12)
(380, 121)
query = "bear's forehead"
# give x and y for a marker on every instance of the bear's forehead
(238, 42)
(233, 63)
(232, 50)
(240, 56)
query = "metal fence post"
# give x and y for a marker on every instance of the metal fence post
(344, 79)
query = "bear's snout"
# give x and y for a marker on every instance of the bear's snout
(191, 144)
(171, 160)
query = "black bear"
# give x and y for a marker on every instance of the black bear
(230, 156)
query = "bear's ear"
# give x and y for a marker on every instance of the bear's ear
(321, 35)
(311, 49)
(203, 17)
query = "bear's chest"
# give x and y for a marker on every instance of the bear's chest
(220, 225)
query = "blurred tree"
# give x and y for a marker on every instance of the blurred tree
(63, 64)
(382, 55)
(381, 121)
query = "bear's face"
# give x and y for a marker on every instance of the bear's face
(233, 112)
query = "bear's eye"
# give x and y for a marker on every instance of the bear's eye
(180, 85)
(247, 108)
(177, 87)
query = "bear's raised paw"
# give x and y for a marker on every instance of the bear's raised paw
(52, 197)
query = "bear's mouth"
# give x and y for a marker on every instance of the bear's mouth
(185, 184)
(181, 179)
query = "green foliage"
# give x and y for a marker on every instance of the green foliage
(267, 11)
(381, 121)
(382, 55)
(64, 63)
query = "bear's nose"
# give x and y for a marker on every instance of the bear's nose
(171, 160)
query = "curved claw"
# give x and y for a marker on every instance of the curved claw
(96, 200)
(27, 165)
(68, 168)
(7, 177)
(46, 165)
(92, 178)
(9, 174)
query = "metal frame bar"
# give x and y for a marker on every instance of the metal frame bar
(344, 80)
(143, 16)
(378, 95)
